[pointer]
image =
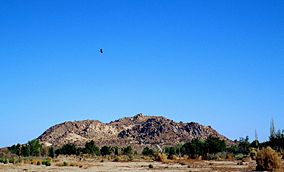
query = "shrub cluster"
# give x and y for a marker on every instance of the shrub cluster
(91, 149)
(268, 160)
(148, 151)
(32, 148)
(46, 162)
(197, 148)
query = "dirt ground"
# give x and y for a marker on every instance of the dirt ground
(96, 165)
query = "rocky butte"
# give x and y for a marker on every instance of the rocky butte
(138, 131)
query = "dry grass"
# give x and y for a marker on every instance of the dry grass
(161, 157)
(268, 160)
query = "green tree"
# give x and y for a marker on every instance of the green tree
(67, 149)
(214, 145)
(116, 150)
(51, 152)
(15, 149)
(105, 150)
(194, 148)
(91, 148)
(25, 151)
(255, 144)
(128, 150)
(35, 147)
(148, 152)
(243, 145)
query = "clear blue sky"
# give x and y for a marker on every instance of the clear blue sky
(219, 63)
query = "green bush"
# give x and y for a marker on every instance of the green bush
(67, 149)
(35, 147)
(130, 158)
(214, 145)
(217, 156)
(194, 148)
(148, 152)
(4, 160)
(239, 156)
(11, 160)
(15, 149)
(268, 160)
(38, 163)
(25, 151)
(128, 150)
(116, 159)
(105, 150)
(65, 163)
(46, 162)
(91, 148)
(150, 166)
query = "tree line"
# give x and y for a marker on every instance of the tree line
(194, 148)
(34, 148)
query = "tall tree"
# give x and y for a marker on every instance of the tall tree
(272, 129)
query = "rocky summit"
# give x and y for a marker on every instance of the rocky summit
(137, 131)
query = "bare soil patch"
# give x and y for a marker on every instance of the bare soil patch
(85, 165)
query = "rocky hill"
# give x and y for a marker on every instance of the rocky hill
(137, 131)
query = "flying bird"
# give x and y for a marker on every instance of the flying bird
(101, 50)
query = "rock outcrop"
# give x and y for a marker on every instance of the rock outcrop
(137, 131)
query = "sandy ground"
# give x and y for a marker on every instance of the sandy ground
(86, 166)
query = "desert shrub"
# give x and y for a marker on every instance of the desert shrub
(46, 162)
(253, 153)
(246, 159)
(172, 157)
(240, 163)
(117, 159)
(130, 157)
(161, 157)
(150, 166)
(4, 160)
(217, 156)
(229, 156)
(11, 160)
(72, 164)
(232, 149)
(268, 160)
(239, 156)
